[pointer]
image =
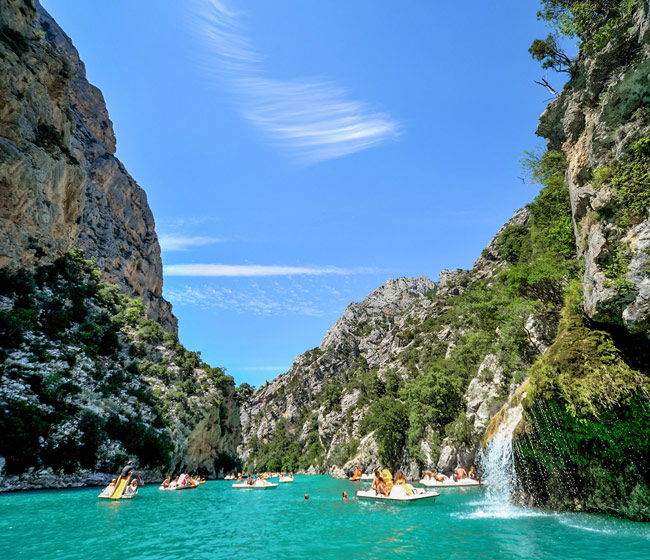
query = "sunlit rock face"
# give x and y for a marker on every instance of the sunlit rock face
(396, 332)
(596, 121)
(61, 184)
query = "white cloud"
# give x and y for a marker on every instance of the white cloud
(314, 119)
(252, 299)
(184, 242)
(265, 368)
(248, 270)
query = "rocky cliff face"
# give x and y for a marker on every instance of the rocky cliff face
(86, 381)
(62, 185)
(88, 376)
(582, 443)
(597, 123)
(409, 348)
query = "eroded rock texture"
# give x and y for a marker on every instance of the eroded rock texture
(62, 185)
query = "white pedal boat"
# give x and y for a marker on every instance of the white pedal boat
(286, 479)
(257, 485)
(398, 494)
(449, 483)
(184, 487)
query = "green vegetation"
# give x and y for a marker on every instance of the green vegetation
(67, 337)
(593, 22)
(548, 52)
(583, 368)
(421, 394)
(388, 418)
(630, 181)
(283, 451)
(588, 420)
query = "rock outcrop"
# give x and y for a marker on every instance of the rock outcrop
(88, 376)
(596, 121)
(582, 443)
(409, 331)
(62, 185)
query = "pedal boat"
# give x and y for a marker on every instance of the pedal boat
(450, 483)
(399, 495)
(285, 479)
(257, 485)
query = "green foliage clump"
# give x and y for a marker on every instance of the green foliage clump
(548, 52)
(344, 452)
(388, 418)
(283, 451)
(593, 22)
(583, 368)
(630, 182)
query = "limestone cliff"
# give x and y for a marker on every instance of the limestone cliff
(584, 442)
(597, 122)
(435, 359)
(62, 185)
(88, 376)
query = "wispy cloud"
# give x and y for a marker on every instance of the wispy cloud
(247, 270)
(265, 368)
(184, 242)
(315, 119)
(258, 300)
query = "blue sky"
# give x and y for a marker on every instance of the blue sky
(298, 154)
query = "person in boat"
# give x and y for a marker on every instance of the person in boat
(378, 484)
(400, 480)
(357, 473)
(461, 473)
(127, 470)
(472, 473)
(132, 489)
(109, 489)
(166, 482)
(387, 478)
(249, 480)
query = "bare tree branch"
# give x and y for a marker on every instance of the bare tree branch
(548, 86)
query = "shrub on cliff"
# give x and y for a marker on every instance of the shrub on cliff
(587, 436)
(77, 374)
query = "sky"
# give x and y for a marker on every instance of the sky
(296, 155)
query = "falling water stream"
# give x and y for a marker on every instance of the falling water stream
(497, 464)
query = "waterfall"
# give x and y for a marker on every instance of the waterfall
(497, 460)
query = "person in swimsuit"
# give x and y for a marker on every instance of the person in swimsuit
(378, 484)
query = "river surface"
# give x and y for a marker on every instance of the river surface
(214, 521)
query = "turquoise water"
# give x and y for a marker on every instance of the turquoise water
(215, 522)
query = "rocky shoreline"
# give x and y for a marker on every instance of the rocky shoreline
(47, 479)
